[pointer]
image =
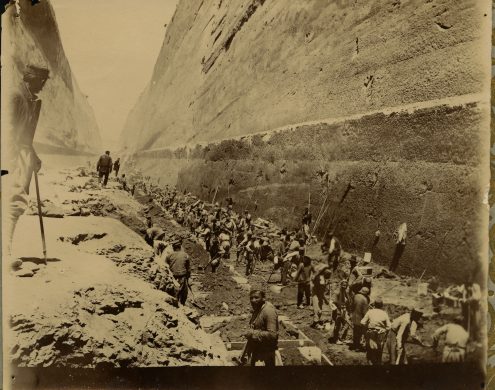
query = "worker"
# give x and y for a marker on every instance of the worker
(205, 234)
(294, 248)
(123, 182)
(456, 339)
(307, 217)
(359, 308)
(471, 309)
(180, 266)
(23, 103)
(321, 277)
(400, 236)
(153, 233)
(303, 279)
(250, 252)
(284, 264)
(266, 250)
(262, 339)
(214, 250)
(359, 283)
(340, 315)
(104, 167)
(376, 324)
(116, 166)
(223, 253)
(334, 251)
(402, 328)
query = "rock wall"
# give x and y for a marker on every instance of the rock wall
(30, 36)
(280, 99)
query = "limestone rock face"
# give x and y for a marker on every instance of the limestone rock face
(31, 37)
(271, 100)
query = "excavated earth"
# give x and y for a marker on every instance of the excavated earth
(94, 303)
(105, 310)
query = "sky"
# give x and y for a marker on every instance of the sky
(112, 47)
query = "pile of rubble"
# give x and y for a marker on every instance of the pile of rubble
(106, 326)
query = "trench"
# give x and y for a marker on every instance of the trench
(222, 298)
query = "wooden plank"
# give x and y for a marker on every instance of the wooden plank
(239, 345)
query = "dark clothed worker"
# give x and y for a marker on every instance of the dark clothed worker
(263, 336)
(359, 283)
(456, 339)
(343, 304)
(303, 279)
(307, 217)
(376, 323)
(359, 309)
(266, 250)
(104, 167)
(116, 166)
(180, 266)
(402, 328)
(123, 182)
(306, 221)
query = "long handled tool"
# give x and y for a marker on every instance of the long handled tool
(337, 207)
(271, 273)
(40, 215)
(214, 196)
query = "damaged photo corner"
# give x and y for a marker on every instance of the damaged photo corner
(246, 193)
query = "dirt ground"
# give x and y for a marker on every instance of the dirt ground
(93, 303)
(218, 294)
(98, 245)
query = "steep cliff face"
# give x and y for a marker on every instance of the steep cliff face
(387, 96)
(31, 37)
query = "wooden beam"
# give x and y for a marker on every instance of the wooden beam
(239, 345)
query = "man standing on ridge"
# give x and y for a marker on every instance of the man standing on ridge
(104, 167)
(116, 167)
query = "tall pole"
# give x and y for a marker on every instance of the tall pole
(40, 215)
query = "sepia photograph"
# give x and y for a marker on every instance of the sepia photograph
(246, 194)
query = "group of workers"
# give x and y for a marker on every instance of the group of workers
(219, 229)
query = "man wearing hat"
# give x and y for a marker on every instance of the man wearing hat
(180, 266)
(263, 336)
(402, 328)
(456, 339)
(104, 167)
(359, 308)
(303, 279)
(376, 323)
